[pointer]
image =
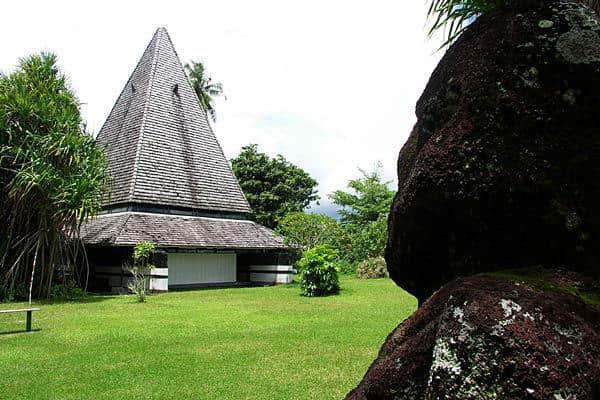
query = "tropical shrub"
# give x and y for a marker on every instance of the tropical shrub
(343, 266)
(66, 291)
(52, 175)
(142, 254)
(17, 293)
(318, 276)
(368, 241)
(370, 268)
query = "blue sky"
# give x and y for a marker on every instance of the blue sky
(330, 85)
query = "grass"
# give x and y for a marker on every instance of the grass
(250, 343)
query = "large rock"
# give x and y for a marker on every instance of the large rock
(503, 166)
(491, 338)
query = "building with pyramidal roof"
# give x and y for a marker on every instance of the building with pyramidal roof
(170, 184)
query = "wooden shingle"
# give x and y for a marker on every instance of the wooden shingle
(164, 159)
(129, 228)
(160, 147)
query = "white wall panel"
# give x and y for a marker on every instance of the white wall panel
(159, 280)
(272, 273)
(191, 269)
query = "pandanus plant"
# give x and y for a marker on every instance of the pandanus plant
(52, 175)
(453, 16)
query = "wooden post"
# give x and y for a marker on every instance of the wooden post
(28, 324)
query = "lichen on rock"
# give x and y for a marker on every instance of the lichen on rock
(450, 348)
(579, 47)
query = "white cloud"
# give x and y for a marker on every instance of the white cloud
(330, 85)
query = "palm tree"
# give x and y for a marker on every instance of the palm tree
(204, 87)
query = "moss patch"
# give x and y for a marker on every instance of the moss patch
(554, 280)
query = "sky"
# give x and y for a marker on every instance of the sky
(330, 85)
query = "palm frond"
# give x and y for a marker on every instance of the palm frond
(204, 87)
(453, 16)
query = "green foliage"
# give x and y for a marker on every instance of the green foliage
(368, 240)
(363, 214)
(371, 268)
(52, 174)
(362, 233)
(66, 291)
(204, 87)
(343, 266)
(318, 276)
(368, 200)
(142, 254)
(274, 187)
(19, 292)
(310, 230)
(454, 15)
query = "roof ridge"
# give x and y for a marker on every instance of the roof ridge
(159, 34)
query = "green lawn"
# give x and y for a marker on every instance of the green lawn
(251, 343)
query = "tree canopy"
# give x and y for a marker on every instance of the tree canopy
(368, 200)
(205, 88)
(51, 174)
(311, 230)
(363, 215)
(274, 187)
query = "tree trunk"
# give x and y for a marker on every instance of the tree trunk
(33, 271)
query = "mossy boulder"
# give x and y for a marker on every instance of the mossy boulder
(498, 336)
(503, 165)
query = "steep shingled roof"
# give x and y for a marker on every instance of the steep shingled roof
(160, 148)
